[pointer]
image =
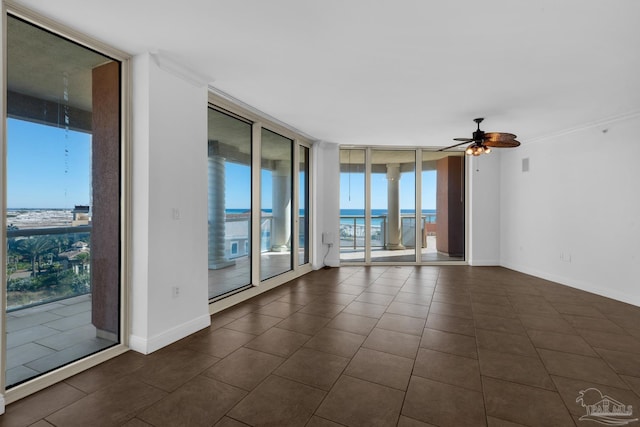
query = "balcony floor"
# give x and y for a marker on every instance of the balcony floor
(379, 254)
(45, 337)
(228, 279)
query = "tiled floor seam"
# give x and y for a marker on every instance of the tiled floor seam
(484, 400)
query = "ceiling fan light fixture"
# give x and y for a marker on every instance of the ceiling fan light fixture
(477, 149)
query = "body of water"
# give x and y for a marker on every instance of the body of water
(380, 212)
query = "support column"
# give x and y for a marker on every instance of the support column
(394, 233)
(450, 205)
(281, 226)
(217, 213)
(105, 212)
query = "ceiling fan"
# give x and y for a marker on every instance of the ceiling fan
(482, 142)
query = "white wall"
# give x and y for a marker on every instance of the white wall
(326, 196)
(574, 217)
(483, 173)
(169, 207)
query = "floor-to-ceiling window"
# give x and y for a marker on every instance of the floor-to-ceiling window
(352, 205)
(229, 173)
(442, 206)
(383, 218)
(276, 208)
(393, 200)
(63, 201)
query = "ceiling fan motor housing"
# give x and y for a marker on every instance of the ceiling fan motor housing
(478, 135)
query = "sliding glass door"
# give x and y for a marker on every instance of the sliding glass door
(275, 204)
(442, 207)
(258, 212)
(393, 199)
(229, 173)
(352, 205)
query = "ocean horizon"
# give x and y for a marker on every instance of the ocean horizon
(343, 212)
(380, 212)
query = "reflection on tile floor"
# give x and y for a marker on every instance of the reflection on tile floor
(371, 346)
(48, 336)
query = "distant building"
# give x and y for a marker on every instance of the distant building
(80, 215)
(75, 260)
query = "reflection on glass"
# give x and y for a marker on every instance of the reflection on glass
(63, 202)
(352, 205)
(442, 206)
(303, 204)
(393, 205)
(276, 207)
(229, 172)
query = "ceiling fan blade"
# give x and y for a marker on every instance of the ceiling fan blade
(463, 139)
(510, 143)
(456, 145)
(498, 136)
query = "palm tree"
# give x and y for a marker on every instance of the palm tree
(34, 247)
(61, 242)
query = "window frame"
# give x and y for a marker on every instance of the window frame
(418, 206)
(59, 374)
(221, 101)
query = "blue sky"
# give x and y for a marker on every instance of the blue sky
(354, 199)
(47, 167)
(238, 185)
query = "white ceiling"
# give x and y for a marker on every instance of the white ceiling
(393, 72)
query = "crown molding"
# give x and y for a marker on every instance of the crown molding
(258, 113)
(166, 63)
(588, 125)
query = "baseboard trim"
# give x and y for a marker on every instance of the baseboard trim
(573, 283)
(149, 345)
(484, 263)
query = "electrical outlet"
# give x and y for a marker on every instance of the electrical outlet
(175, 291)
(327, 238)
(175, 214)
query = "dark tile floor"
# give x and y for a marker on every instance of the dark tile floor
(378, 346)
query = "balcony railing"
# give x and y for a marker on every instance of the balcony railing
(352, 230)
(47, 264)
(237, 228)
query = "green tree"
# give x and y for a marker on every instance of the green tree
(33, 247)
(61, 242)
(83, 257)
